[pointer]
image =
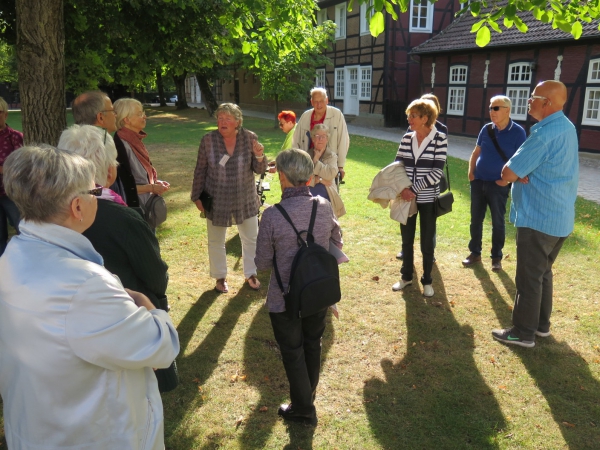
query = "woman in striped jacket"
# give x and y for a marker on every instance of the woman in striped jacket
(423, 152)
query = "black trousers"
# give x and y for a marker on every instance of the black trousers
(427, 222)
(300, 344)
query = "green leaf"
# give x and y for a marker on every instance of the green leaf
(483, 36)
(246, 48)
(510, 10)
(475, 8)
(576, 30)
(508, 23)
(378, 4)
(564, 26)
(537, 13)
(495, 26)
(390, 10)
(521, 26)
(477, 25)
(377, 24)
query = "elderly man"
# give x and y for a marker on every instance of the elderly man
(496, 143)
(543, 210)
(96, 108)
(339, 141)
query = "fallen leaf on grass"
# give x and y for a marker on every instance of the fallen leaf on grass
(200, 388)
(438, 304)
(266, 378)
(234, 378)
(375, 278)
(492, 360)
(452, 303)
(242, 378)
(239, 421)
(576, 317)
(570, 425)
(263, 409)
(502, 387)
(196, 380)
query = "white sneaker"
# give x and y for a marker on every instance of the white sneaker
(401, 285)
(428, 290)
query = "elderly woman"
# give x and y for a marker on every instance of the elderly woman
(287, 123)
(131, 121)
(423, 152)
(76, 348)
(228, 158)
(326, 169)
(300, 339)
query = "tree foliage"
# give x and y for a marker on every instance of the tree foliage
(567, 16)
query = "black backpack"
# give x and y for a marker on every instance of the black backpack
(315, 277)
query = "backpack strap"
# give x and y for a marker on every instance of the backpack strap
(309, 236)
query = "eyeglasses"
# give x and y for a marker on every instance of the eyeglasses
(109, 110)
(534, 97)
(319, 137)
(140, 114)
(96, 192)
(413, 116)
(497, 108)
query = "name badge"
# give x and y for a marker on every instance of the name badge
(224, 160)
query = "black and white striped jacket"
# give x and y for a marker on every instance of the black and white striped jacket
(426, 172)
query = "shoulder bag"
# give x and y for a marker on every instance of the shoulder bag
(443, 203)
(155, 211)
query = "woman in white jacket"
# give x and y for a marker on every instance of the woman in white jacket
(76, 349)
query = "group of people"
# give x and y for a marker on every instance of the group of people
(544, 171)
(84, 329)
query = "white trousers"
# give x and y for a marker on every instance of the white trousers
(217, 256)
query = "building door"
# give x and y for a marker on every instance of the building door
(351, 90)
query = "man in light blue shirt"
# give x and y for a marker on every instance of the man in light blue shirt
(542, 209)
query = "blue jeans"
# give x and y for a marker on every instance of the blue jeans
(8, 210)
(427, 221)
(484, 194)
(536, 253)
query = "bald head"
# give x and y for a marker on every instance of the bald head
(548, 97)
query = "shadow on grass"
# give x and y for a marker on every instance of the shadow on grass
(264, 370)
(560, 373)
(421, 401)
(199, 365)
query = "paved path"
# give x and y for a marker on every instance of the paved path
(461, 147)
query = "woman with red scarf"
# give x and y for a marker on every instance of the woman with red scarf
(131, 121)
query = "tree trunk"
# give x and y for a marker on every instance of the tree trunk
(161, 87)
(276, 111)
(207, 94)
(41, 69)
(180, 87)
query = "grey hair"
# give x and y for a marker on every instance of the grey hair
(504, 98)
(233, 109)
(296, 165)
(3, 105)
(125, 108)
(319, 127)
(318, 90)
(87, 106)
(88, 141)
(43, 181)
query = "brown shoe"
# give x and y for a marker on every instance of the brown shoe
(471, 259)
(221, 286)
(253, 282)
(496, 264)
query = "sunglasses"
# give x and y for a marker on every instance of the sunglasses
(97, 192)
(497, 108)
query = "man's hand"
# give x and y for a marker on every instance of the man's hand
(342, 172)
(523, 180)
(471, 175)
(140, 299)
(198, 204)
(501, 183)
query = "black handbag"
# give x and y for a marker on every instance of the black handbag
(443, 203)
(206, 200)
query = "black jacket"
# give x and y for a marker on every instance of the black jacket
(124, 176)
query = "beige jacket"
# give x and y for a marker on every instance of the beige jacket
(327, 169)
(386, 188)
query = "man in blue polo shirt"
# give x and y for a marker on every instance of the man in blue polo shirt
(496, 143)
(543, 210)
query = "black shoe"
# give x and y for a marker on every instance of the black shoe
(496, 264)
(288, 413)
(471, 259)
(506, 336)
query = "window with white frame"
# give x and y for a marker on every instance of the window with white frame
(456, 92)
(339, 84)
(320, 78)
(365, 83)
(321, 16)
(365, 16)
(591, 106)
(340, 21)
(519, 73)
(518, 97)
(421, 16)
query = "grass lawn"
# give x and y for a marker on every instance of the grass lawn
(399, 371)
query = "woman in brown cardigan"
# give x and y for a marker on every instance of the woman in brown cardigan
(228, 158)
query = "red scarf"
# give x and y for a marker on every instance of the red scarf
(139, 149)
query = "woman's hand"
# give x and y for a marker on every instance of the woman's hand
(258, 149)
(318, 154)
(159, 187)
(198, 204)
(140, 299)
(407, 195)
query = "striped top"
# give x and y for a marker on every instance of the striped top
(424, 170)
